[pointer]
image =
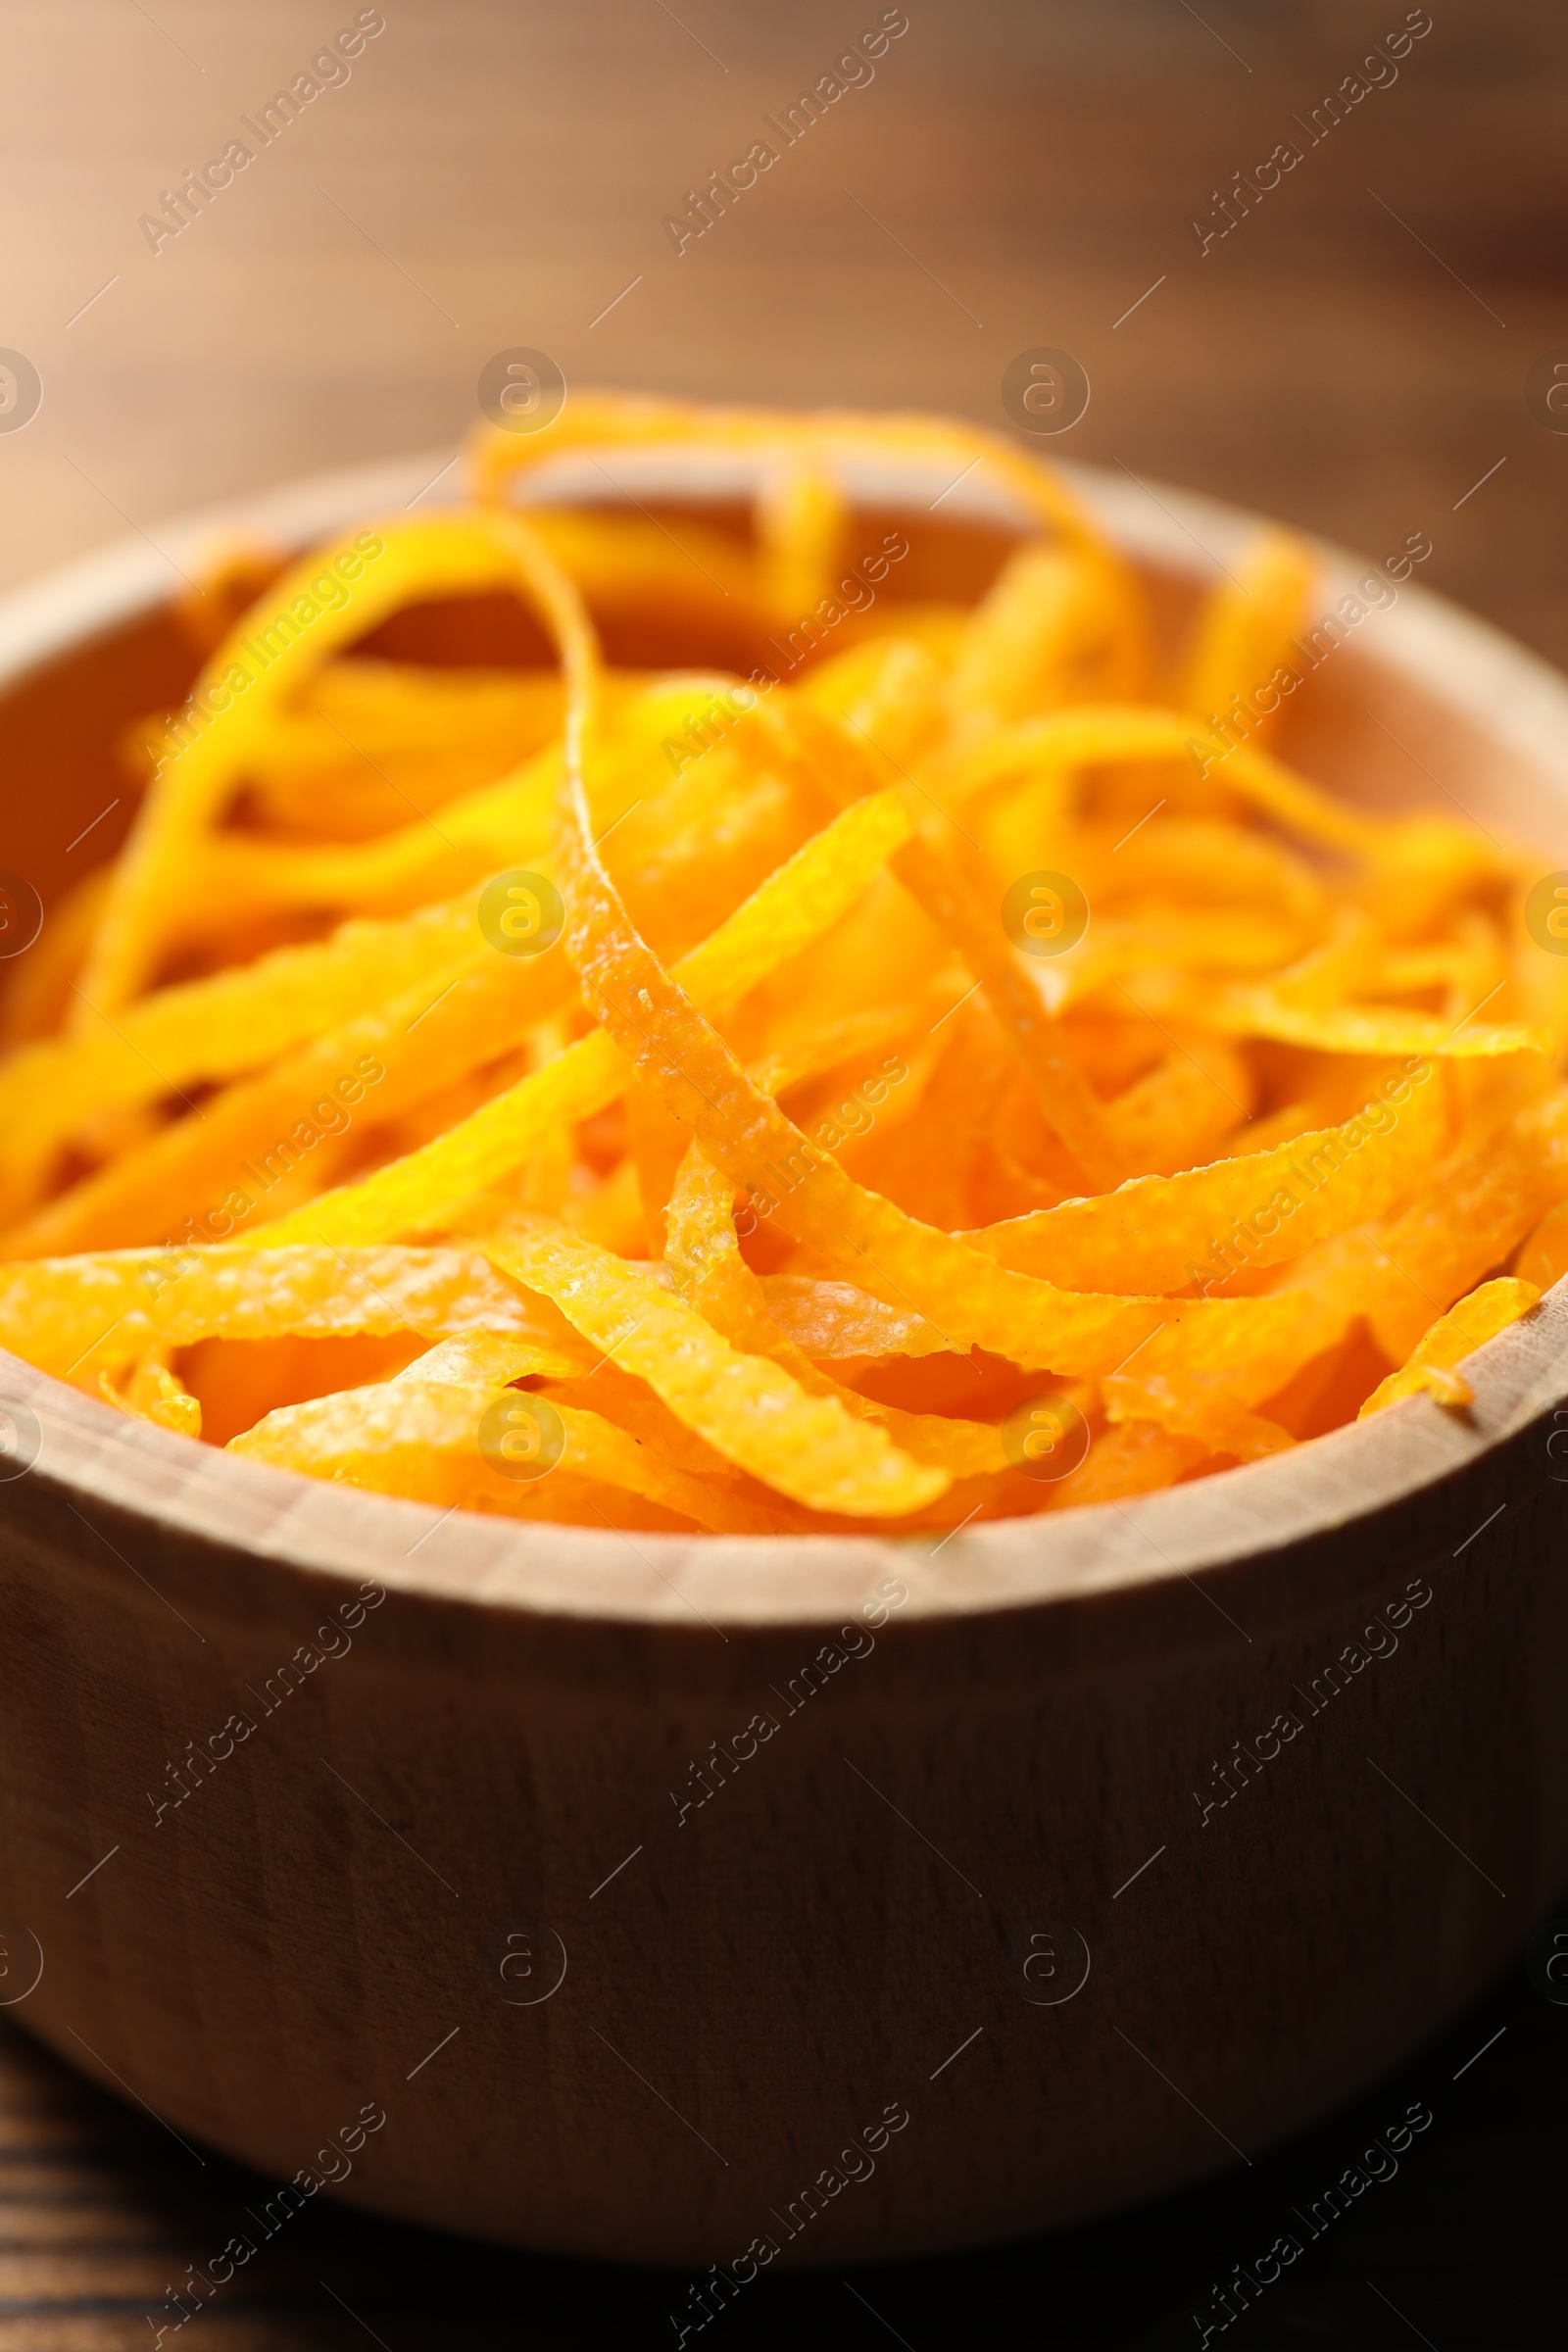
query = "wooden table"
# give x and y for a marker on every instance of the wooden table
(1352, 355)
(1013, 177)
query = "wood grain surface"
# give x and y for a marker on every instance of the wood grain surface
(1015, 176)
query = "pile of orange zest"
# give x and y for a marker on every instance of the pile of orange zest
(940, 1011)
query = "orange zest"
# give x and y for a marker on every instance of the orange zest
(815, 1021)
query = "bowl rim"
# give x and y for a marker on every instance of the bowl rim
(541, 1568)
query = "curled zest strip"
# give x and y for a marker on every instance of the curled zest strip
(793, 906)
(421, 1439)
(100, 1312)
(749, 1410)
(415, 558)
(1430, 1368)
(654, 1022)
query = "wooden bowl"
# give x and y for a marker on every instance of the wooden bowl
(857, 1897)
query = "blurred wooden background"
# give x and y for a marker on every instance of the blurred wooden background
(1018, 174)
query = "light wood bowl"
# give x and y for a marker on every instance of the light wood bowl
(887, 1909)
